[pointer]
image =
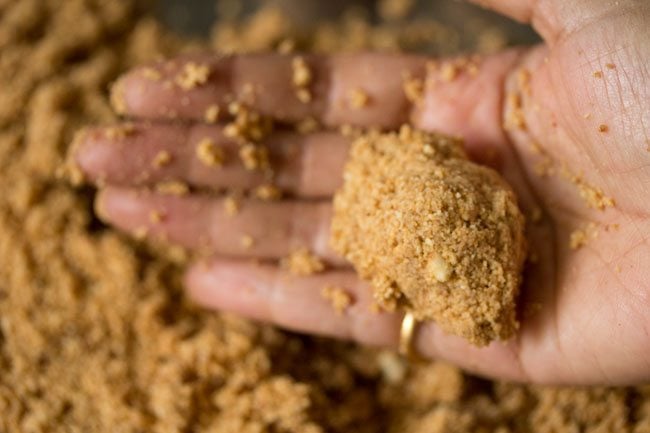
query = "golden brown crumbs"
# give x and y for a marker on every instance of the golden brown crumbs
(236, 107)
(523, 81)
(617, 269)
(254, 157)
(134, 354)
(349, 131)
(267, 192)
(301, 73)
(247, 125)
(515, 117)
(473, 69)
(414, 90)
(192, 75)
(391, 10)
(449, 71)
(151, 74)
(117, 97)
(70, 170)
(593, 196)
(603, 128)
(140, 233)
(598, 74)
(514, 100)
(119, 132)
(610, 66)
(338, 297)
(155, 216)
(302, 262)
(303, 95)
(358, 98)
(581, 236)
(172, 187)
(393, 367)
(209, 153)
(307, 125)
(301, 78)
(545, 167)
(231, 205)
(247, 241)
(162, 159)
(211, 114)
(433, 232)
(232, 131)
(286, 46)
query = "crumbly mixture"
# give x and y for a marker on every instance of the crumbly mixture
(414, 90)
(338, 297)
(593, 196)
(161, 159)
(358, 98)
(95, 333)
(582, 235)
(247, 125)
(247, 241)
(307, 125)
(301, 79)
(394, 9)
(192, 75)
(254, 157)
(211, 114)
(209, 153)
(172, 187)
(302, 262)
(231, 205)
(547, 165)
(267, 192)
(433, 232)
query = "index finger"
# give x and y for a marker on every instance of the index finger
(288, 88)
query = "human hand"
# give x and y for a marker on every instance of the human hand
(584, 311)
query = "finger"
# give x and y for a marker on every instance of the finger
(146, 154)
(265, 230)
(265, 293)
(266, 83)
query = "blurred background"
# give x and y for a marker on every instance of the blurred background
(196, 18)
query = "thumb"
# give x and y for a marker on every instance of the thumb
(553, 19)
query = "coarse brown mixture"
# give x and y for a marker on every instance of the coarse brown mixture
(433, 232)
(95, 334)
(302, 262)
(209, 154)
(338, 297)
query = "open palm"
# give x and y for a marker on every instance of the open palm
(566, 124)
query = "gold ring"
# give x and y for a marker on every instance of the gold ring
(406, 333)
